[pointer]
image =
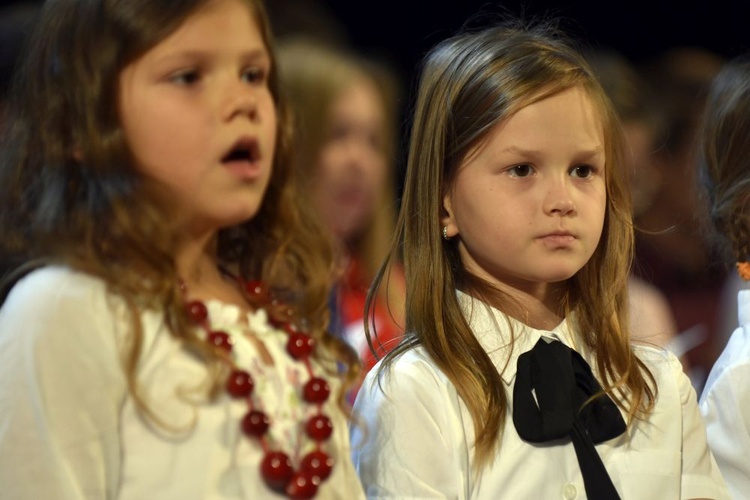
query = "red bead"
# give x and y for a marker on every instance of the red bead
(255, 423)
(196, 311)
(300, 345)
(221, 340)
(302, 486)
(256, 291)
(316, 390)
(240, 384)
(317, 464)
(276, 470)
(319, 427)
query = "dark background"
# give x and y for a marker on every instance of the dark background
(401, 31)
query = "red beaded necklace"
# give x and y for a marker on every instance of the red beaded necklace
(276, 468)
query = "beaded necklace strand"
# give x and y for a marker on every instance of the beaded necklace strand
(276, 468)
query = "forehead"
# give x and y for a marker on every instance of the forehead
(360, 94)
(567, 119)
(573, 105)
(217, 25)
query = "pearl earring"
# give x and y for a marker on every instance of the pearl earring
(445, 233)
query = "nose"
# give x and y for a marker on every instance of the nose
(241, 102)
(559, 201)
(359, 153)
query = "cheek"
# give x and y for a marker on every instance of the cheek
(272, 127)
(477, 218)
(329, 163)
(602, 205)
(162, 134)
(594, 199)
(143, 148)
(598, 218)
(378, 172)
(323, 182)
(154, 151)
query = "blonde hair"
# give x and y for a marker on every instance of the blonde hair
(469, 84)
(95, 212)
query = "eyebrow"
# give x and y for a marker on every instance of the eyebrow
(585, 153)
(199, 54)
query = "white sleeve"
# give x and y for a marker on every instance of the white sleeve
(726, 408)
(407, 435)
(700, 474)
(61, 389)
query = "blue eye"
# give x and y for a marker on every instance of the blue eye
(522, 170)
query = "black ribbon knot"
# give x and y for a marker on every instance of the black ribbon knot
(562, 381)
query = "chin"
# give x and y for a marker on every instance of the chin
(560, 276)
(239, 216)
(352, 235)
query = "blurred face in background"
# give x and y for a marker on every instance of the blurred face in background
(352, 165)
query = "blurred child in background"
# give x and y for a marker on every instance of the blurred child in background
(345, 109)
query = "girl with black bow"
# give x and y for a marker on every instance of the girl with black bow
(518, 378)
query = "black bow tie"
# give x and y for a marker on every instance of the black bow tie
(563, 382)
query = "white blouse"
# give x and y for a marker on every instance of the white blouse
(69, 428)
(416, 440)
(725, 404)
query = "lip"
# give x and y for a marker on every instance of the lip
(558, 239)
(351, 195)
(243, 158)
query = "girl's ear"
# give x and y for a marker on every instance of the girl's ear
(447, 221)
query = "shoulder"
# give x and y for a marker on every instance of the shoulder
(731, 371)
(666, 370)
(412, 365)
(412, 376)
(56, 283)
(55, 301)
(675, 391)
(737, 351)
(411, 397)
(409, 437)
(655, 357)
(59, 339)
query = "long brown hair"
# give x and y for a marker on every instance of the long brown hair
(70, 193)
(469, 84)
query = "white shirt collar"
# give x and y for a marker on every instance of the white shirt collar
(494, 331)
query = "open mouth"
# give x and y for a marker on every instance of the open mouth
(245, 150)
